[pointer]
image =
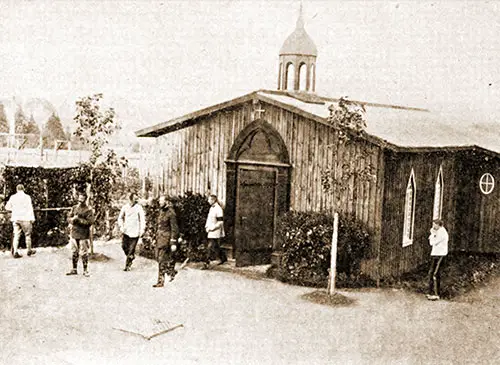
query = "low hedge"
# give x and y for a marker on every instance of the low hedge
(191, 211)
(54, 188)
(461, 272)
(305, 241)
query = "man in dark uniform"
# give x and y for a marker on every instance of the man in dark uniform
(81, 219)
(166, 241)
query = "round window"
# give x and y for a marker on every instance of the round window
(487, 183)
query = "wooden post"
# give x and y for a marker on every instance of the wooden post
(41, 145)
(333, 258)
(89, 203)
(108, 225)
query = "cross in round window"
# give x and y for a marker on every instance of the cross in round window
(487, 183)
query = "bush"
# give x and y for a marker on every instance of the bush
(55, 188)
(191, 210)
(461, 273)
(305, 241)
(48, 188)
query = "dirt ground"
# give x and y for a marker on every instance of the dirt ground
(49, 318)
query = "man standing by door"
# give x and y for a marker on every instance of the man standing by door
(132, 223)
(214, 227)
(22, 219)
(81, 219)
(438, 239)
(166, 241)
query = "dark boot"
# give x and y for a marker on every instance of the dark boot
(128, 264)
(75, 266)
(161, 281)
(85, 261)
(172, 275)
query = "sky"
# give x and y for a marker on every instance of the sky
(155, 60)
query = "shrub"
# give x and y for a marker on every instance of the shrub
(55, 188)
(48, 188)
(191, 210)
(305, 241)
(461, 272)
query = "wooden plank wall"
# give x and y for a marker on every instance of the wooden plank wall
(396, 259)
(193, 160)
(478, 217)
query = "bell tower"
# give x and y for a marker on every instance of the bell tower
(297, 66)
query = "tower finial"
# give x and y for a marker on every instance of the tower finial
(300, 20)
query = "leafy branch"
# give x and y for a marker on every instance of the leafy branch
(349, 120)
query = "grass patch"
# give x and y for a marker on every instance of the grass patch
(313, 280)
(461, 273)
(322, 297)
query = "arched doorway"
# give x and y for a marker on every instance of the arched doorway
(258, 185)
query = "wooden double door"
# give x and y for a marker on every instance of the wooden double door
(257, 207)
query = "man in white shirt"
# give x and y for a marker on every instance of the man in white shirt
(22, 219)
(214, 227)
(438, 239)
(132, 223)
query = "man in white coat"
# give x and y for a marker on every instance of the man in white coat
(214, 227)
(132, 224)
(22, 219)
(438, 239)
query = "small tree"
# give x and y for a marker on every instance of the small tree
(94, 128)
(4, 127)
(53, 131)
(31, 127)
(20, 120)
(27, 127)
(4, 123)
(349, 120)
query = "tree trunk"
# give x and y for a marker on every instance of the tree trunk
(333, 255)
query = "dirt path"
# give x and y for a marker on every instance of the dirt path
(48, 318)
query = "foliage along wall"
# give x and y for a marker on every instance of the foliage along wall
(48, 188)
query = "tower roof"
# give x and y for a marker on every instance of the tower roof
(299, 42)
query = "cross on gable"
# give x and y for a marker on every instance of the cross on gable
(258, 111)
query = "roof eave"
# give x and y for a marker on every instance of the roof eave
(173, 124)
(183, 121)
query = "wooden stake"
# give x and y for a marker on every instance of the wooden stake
(153, 335)
(333, 255)
(183, 265)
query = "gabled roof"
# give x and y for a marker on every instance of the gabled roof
(396, 127)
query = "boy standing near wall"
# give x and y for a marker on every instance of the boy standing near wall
(438, 239)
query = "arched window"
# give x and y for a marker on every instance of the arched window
(279, 75)
(311, 78)
(290, 71)
(409, 218)
(438, 196)
(303, 77)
